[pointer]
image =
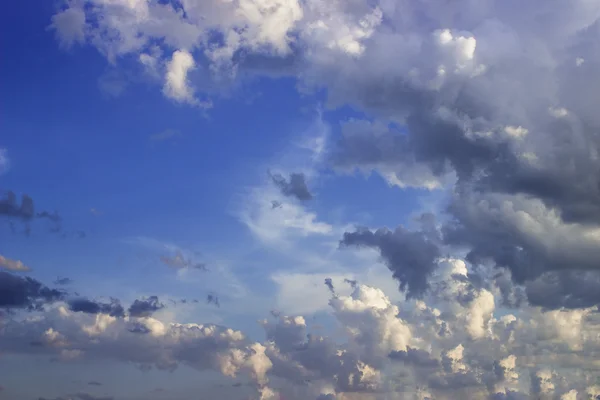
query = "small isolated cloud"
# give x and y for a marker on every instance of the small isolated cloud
(294, 187)
(113, 83)
(13, 265)
(4, 161)
(179, 261)
(63, 281)
(167, 134)
(94, 383)
(177, 85)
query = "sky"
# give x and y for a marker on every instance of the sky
(299, 200)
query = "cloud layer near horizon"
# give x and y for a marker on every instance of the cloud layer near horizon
(450, 344)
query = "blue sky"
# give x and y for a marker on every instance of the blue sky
(253, 150)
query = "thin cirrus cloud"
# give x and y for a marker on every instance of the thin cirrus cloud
(473, 100)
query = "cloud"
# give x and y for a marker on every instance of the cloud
(295, 187)
(4, 161)
(69, 26)
(167, 134)
(411, 256)
(13, 265)
(475, 101)
(178, 261)
(177, 86)
(145, 307)
(113, 309)
(25, 293)
(10, 208)
(63, 281)
(445, 344)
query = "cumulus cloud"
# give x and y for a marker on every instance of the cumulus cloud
(442, 346)
(177, 86)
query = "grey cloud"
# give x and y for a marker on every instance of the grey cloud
(9, 206)
(167, 134)
(25, 292)
(329, 284)
(63, 281)
(410, 255)
(416, 357)
(139, 328)
(94, 383)
(180, 261)
(539, 249)
(145, 307)
(25, 211)
(294, 187)
(114, 308)
(569, 289)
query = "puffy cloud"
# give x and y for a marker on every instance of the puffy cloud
(69, 26)
(441, 346)
(177, 86)
(13, 265)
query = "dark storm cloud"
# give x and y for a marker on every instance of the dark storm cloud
(114, 308)
(145, 307)
(499, 209)
(410, 255)
(25, 292)
(294, 187)
(569, 289)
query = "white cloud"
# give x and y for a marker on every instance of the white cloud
(429, 347)
(177, 86)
